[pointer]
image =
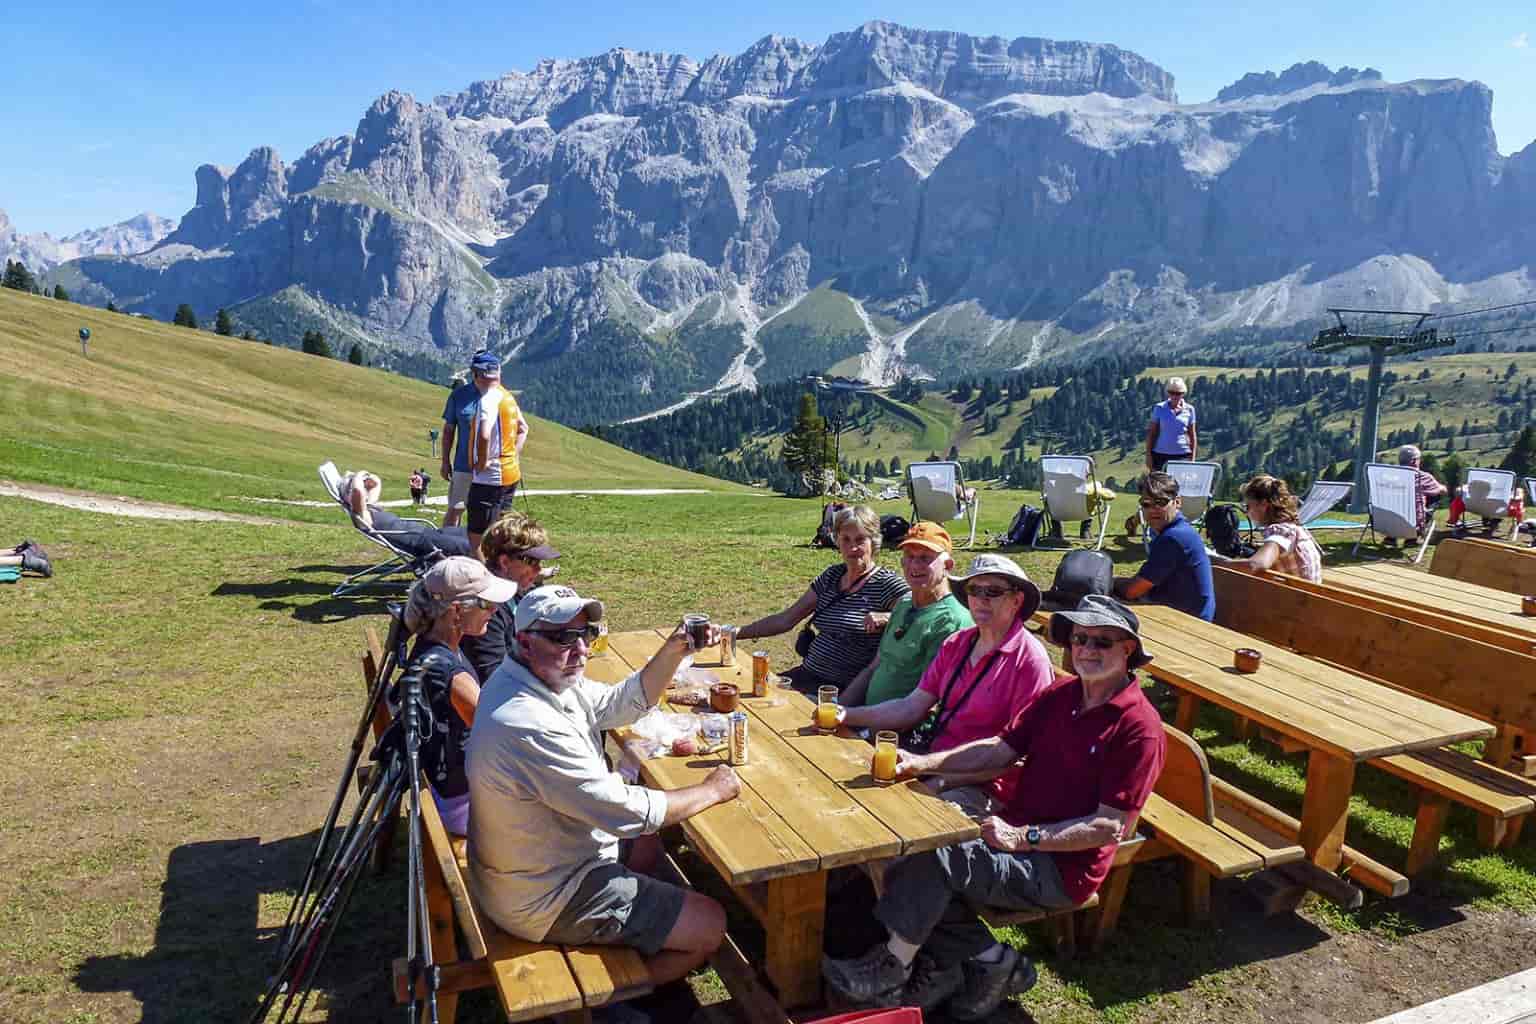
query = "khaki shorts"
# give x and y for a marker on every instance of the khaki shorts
(615, 906)
(458, 489)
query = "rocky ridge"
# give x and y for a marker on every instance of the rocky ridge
(893, 200)
(41, 251)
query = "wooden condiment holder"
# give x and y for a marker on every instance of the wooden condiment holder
(1246, 659)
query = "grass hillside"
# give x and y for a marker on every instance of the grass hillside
(1459, 387)
(171, 414)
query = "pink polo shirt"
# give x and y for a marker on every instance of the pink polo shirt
(1017, 672)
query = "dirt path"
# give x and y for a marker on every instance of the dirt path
(123, 506)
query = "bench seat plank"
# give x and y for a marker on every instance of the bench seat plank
(1216, 852)
(1273, 848)
(532, 980)
(1464, 779)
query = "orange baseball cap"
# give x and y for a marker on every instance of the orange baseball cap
(928, 535)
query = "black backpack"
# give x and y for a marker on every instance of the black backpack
(1024, 528)
(892, 529)
(824, 537)
(1080, 573)
(1225, 535)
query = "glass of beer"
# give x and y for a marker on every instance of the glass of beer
(883, 767)
(826, 709)
(697, 625)
(600, 645)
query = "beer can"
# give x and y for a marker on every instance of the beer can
(738, 738)
(759, 673)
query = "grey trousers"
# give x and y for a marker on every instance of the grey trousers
(930, 898)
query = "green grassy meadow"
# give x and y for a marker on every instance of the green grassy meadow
(178, 700)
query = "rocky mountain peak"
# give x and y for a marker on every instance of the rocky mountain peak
(1293, 78)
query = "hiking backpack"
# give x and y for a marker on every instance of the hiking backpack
(1080, 573)
(1225, 535)
(1024, 528)
(893, 529)
(824, 537)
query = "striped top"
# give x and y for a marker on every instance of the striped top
(495, 460)
(842, 649)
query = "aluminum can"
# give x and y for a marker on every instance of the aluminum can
(728, 646)
(759, 673)
(738, 738)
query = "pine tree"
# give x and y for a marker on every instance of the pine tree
(1522, 457)
(18, 277)
(222, 324)
(807, 445)
(315, 344)
(112, 307)
(60, 294)
(355, 357)
(185, 317)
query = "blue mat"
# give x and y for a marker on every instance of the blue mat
(1316, 524)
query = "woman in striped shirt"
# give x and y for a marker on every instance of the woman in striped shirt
(848, 604)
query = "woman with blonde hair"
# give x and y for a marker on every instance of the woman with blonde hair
(1287, 546)
(454, 599)
(514, 548)
(848, 604)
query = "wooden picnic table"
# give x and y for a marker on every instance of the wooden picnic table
(807, 805)
(1468, 609)
(1339, 717)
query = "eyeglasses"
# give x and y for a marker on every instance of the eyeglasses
(475, 602)
(570, 637)
(990, 593)
(1098, 643)
(1156, 503)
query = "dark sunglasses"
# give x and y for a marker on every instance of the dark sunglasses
(1153, 503)
(1098, 643)
(990, 593)
(569, 637)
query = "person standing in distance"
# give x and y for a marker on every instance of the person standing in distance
(1171, 432)
(458, 413)
(497, 434)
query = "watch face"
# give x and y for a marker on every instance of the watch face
(1033, 835)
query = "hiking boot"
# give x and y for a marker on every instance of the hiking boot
(875, 977)
(32, 560)
(931, 985)
(987, 985)
(24, 546)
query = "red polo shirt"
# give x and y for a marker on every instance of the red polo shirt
(1076, 761)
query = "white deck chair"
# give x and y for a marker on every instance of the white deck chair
(1322, 498)
(1068, 494)
(1393, 495)
(939, 494)
(1487, 496)
(1530, 490)
(400, 560)
(1197, 485)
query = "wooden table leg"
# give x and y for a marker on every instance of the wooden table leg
(794, 919)
(1186, 712)
(1325, 808)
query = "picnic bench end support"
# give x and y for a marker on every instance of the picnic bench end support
(1325, 808)
(794, 918)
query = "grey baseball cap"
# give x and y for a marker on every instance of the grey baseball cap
(1099, 610)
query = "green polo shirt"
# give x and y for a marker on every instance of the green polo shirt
(910, 643)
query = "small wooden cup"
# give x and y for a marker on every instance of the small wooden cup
(1528, 605)
(723, 697)
(1246, 659)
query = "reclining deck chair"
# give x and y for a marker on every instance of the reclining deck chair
(1321, 499)
(377, 576)
(1393, 496)
(939, 494)
(1487, 497)
(1197, 485)
(1071, 494)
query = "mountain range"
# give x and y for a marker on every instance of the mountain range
(42, 252)
(633, 228)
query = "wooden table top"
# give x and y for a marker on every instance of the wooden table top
(807, 801)
(1400, 584)
(1323, 706)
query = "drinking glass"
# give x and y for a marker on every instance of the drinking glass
(883, 767)
(826, 709)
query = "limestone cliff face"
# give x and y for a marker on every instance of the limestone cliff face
(971, 202)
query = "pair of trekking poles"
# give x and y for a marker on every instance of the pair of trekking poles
(342, 854)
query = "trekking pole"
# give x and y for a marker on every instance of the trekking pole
(418, 934)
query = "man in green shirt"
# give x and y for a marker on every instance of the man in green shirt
(918, 624)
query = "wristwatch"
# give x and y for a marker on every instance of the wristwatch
(1032, 836)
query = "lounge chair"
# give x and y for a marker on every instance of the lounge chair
(1322, 498)
(1197, 485)
(1393, 496)
(939, 494)
(376, 577)
(1071, 494)
(1487, 497)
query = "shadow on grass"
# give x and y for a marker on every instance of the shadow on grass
(306, 594)
(211, 955)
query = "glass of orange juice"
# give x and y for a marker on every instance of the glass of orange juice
(826, 709)
(883, 767)
(600, 645)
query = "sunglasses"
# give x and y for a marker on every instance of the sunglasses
(990, 593)
(570, 637)
(475, 602)
(1098, 643)
(1154, 503)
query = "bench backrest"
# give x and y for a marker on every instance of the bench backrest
(1488, 682)
(1186, 778)
(1488, 564)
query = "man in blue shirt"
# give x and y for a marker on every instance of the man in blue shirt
(1177, 571)
(457, 413)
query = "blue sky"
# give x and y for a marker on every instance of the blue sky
(110, 107)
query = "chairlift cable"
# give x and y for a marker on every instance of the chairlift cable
(1490, 309)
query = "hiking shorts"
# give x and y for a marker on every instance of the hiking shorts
(458, 489)
(487, 503)
(615, 906)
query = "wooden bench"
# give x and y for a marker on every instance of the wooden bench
(1487, 563)
(532, 980)
(1492, 683)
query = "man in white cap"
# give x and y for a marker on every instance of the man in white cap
(547, 813)
(1093, 747)
(496, 437)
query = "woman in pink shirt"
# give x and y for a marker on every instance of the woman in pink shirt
(979, 680)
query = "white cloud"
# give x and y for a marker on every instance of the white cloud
(1521, 41)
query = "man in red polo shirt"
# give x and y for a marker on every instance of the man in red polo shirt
(1094, 749)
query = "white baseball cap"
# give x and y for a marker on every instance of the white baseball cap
(555, 605)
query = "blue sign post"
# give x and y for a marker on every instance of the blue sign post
(85, 342)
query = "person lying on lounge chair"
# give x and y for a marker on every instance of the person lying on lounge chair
(360, 490)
